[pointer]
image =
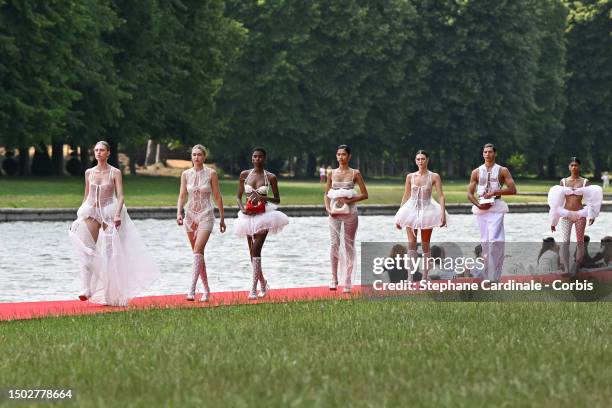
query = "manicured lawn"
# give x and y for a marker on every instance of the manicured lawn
(144, 191)
(393, 353)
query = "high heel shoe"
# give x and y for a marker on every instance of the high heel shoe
(253, 294)
(190, 296)
(264, 289)
(205, 296)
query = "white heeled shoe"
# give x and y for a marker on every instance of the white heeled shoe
(333, 285)
(253, 294)
(190, 296)
(205, 296)
(264, 290)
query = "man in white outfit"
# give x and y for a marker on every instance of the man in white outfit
(487, 181)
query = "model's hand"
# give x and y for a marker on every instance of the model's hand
(340, 201)
(488, 195)
(553, 228)
(246, 212)
(257, 198)
(117, 221)
(591, 221)
(222, 227)
(261, 198)
(443, 222)
(179, 219)
(398, 226)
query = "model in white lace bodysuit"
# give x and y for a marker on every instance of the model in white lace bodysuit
(419, 211)
(200, 184)
(259, 216)
(339, 199)
(115, 264)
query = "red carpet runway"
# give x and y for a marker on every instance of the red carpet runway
(31, 310)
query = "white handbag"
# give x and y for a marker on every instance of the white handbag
(336, 209)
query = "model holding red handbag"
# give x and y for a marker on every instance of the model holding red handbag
(258, 216)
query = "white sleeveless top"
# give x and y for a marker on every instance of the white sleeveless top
(488, 182)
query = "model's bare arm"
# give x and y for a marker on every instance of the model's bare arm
(437, 181)
(326, 199)
(508, 181)
(407, 189)
(181, 200)
(214, 184)
(274, 184)
(120, 197)
(472, 188)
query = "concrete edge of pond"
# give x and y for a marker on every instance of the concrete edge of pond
(138, 213)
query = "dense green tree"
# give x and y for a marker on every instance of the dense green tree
(546, 122)
(97, 81)
(481, 72)
(387, 77)
(589, 88)
(36, 60)
(172, 57)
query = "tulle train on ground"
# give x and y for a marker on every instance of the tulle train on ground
(119, 264)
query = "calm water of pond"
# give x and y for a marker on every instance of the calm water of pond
(37, 261)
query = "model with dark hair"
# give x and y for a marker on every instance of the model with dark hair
(339, 199)
(566, 210)
(419, 211)
(486, 181)
(259, 216)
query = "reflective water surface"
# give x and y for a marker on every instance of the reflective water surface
(37, 261)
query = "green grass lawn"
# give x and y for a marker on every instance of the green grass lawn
(391, 353)
(143, 191)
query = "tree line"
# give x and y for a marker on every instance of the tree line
(387, 77)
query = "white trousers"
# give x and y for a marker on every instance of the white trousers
(347, 252)
(492, 238)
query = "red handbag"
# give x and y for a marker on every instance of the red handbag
(258, 208)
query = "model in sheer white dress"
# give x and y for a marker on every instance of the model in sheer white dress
(419, 211)
(200, 184)
(115, 264)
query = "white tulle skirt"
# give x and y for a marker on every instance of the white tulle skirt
(272, 220)
(424, 216)
(119, 264)
(593, 196)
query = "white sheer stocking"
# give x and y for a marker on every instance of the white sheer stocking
(565, 227)
(256, 264)
(346, 252)
(203, 274)
(198, 260)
